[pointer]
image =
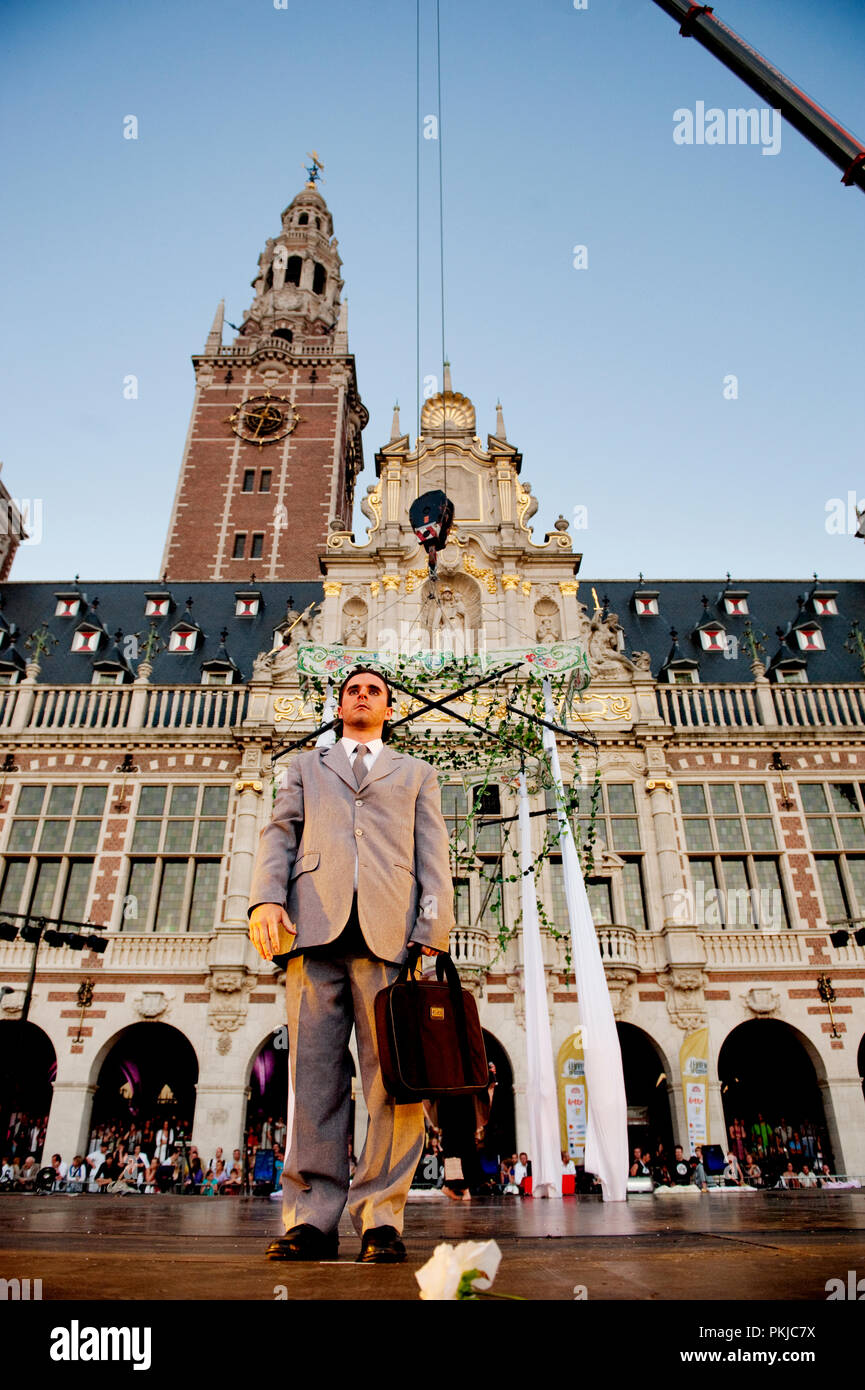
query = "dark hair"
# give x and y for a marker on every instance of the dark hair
(365, 671)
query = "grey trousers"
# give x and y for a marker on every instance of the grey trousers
(328, 989)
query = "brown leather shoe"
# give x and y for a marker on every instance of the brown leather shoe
(381, 1245)
(304, 1243)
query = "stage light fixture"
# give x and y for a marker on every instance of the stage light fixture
(52, 937)
(30, 932)
(8, 931)
(97, 944)
(859, 936)
(73, 939)
(839, 938)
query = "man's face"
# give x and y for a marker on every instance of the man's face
(364, 706)
(523, 1158)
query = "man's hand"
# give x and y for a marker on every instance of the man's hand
(264, 925)
(426, 950)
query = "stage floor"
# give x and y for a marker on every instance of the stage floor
(730, 1245)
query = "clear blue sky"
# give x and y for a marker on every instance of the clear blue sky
(557, 130)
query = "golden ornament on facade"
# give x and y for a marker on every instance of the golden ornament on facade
(332, 588)
(569, 586)
(526, 587)
(413, 576)
(449, 410)
(374, 587)
(390, 581)
(247, 784)
(471, 566)
(510, 581)
(656, 783)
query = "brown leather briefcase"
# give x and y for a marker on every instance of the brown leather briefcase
(430, 1043)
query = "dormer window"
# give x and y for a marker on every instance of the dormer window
(791, 675)
(713, 638)
(646, 603)
(683, 676)
(156, 605)
(825, 604)
(217, 678)
(68, 606)
(183, 639)
(810, 638)
(736, 604)
(247, 604)
(86, 639)
(107, 677)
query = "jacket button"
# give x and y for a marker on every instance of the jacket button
(358, 833)
(358, 803)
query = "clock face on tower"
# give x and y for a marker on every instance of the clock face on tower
(264, 419)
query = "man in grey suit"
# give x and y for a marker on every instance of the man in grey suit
(354, 865)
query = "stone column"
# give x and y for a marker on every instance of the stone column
(220, 1113)
(660, 793)
(844, 1107)
(25, 698)
(68, 1121)
(763, 694)
(138, 703)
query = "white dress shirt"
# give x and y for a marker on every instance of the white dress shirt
(373, 748)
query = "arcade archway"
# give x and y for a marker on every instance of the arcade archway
(768, 1078)
(646, 1081)
(500, 1135)
(28, 1067)
(147, 1078)
(268, 1096)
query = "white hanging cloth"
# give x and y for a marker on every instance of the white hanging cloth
(541, 1092)
(607, 1121)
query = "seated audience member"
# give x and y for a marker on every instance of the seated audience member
(700, 1177)
(209, 1187)
(77, 1175)
(806, 1177)
(788, 1178)
(59, 1173)
(569, 1168)
(522, 1170)
(27, 1176)
(753, 1171)
(732, 1172)
(109, 1172)
(639, 1168)
(9, 1174)
(94, 1161)
(681, 1172)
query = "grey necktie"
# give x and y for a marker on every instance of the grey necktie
(361, 767)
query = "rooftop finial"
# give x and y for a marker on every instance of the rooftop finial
(313, 171)
(447, 375)
(395, 431)
(500, 422)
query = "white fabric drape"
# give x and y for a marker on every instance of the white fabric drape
(607, 1121)
(541, 1092)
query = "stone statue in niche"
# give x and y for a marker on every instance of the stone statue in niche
(600, 636)
(354, 632)
(548, 622)
(450, 614)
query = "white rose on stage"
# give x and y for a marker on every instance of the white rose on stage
(441, 1275)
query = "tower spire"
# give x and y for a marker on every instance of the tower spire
(447, 376)
(395, 431)
(500, 422)
(214, 337)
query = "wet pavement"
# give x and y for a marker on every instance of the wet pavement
(716, 1246)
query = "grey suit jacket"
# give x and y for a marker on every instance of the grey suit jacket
(393, 822)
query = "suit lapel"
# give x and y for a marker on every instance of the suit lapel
(384, 763)
(336, 759)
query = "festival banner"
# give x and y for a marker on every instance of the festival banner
(694, 1064)
(573, 1096)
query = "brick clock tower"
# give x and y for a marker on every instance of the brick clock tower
(274, 443)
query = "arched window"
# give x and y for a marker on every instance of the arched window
(284, 333)
(303, 219)
(319, 279)
(292, 270)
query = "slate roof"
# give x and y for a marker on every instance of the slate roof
(121, 605)
(772, 604)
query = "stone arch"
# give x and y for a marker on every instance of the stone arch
(267, 1090)
(319, 278)
(548, 621)
(500, 1136)
(649, 1078)
(28, 1070)
(768, 1068)
(134, 1068)
(293, 267)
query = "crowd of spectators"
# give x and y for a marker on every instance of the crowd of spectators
(25, 1134)
(129, 1159)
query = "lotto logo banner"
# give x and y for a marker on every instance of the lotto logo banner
(694, 1064)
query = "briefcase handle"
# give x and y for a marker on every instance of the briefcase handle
(444, 966)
